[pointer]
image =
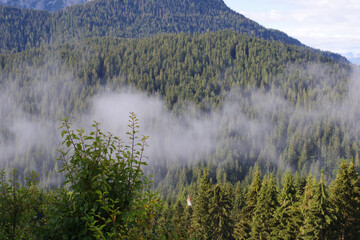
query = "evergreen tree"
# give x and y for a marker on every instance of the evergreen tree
(308, 193)
(202, 217)
(239, 200)
(263, 221)
(165, 226)
(220, 210)
(287, 215)
(179, 220)
(319, 216)
(243, 226)
(345, 195)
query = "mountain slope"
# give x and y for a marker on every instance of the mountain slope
(279, 115)
(21, 29)
(49, 5)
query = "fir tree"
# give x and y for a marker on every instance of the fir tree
(263, 220)
(179, 220)
(243, 226)
(202, 217)
(287, 215)
(345, 195)
(320, 214)
(220, 210)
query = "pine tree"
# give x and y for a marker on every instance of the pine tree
(179, 220)
(345, 195)
(239, 200)
(243, 226)
(220, 210)
(164, 225)
(263, 220)
(308, 193)
(202, 217)
(320, 214)
(287, 215)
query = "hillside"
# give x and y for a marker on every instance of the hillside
(206, 70)
(23, 28)
(250, 124)
(219, 108)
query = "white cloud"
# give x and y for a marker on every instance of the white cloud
(325, 24)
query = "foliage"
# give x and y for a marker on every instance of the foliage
(21, 207)
(346, 199)
(206, 70)
(202, 216)
(263, 221)
(131, 19)
(111, 194)
(28, 213)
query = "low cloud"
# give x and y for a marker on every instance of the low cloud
(246, 123)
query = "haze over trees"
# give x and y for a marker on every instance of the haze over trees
(252, 124)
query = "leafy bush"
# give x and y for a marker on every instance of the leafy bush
(110, 194)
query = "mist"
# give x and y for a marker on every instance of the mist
(246, 123)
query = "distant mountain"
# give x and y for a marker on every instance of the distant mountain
(353, 57)
(25, 28)
(49, 5)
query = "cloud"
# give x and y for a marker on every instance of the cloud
(171, 138)
(325, 24)
(246, 124)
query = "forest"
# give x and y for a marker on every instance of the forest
(25, 28)
(270, 109)
(259, 131)
(110, 197)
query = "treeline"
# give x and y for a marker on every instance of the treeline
(23, 28)
(215, 71)
(296, 208)
(107, 196)
(186, 67)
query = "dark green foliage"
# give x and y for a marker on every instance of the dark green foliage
(200, 69)
(22, 207)
(345, 195)
(110, 196)
(181, 220)
(319, 216)
(288, 217)
(220, 211)
(263, 221)
(110, 193)
(28, 213)
(202, 217)
(243, 225)
(23, 29)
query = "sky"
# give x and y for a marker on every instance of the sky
(329, 25)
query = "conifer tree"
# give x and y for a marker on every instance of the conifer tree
(239, 200)
(220, 210)
(308, 193)
(287, 215)
(179, 220)
(164, 225)
(202, 217)
(345, 195)
(299, 185)
(243, 226)
(319, 215)
(187, 218)
(263, 219)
